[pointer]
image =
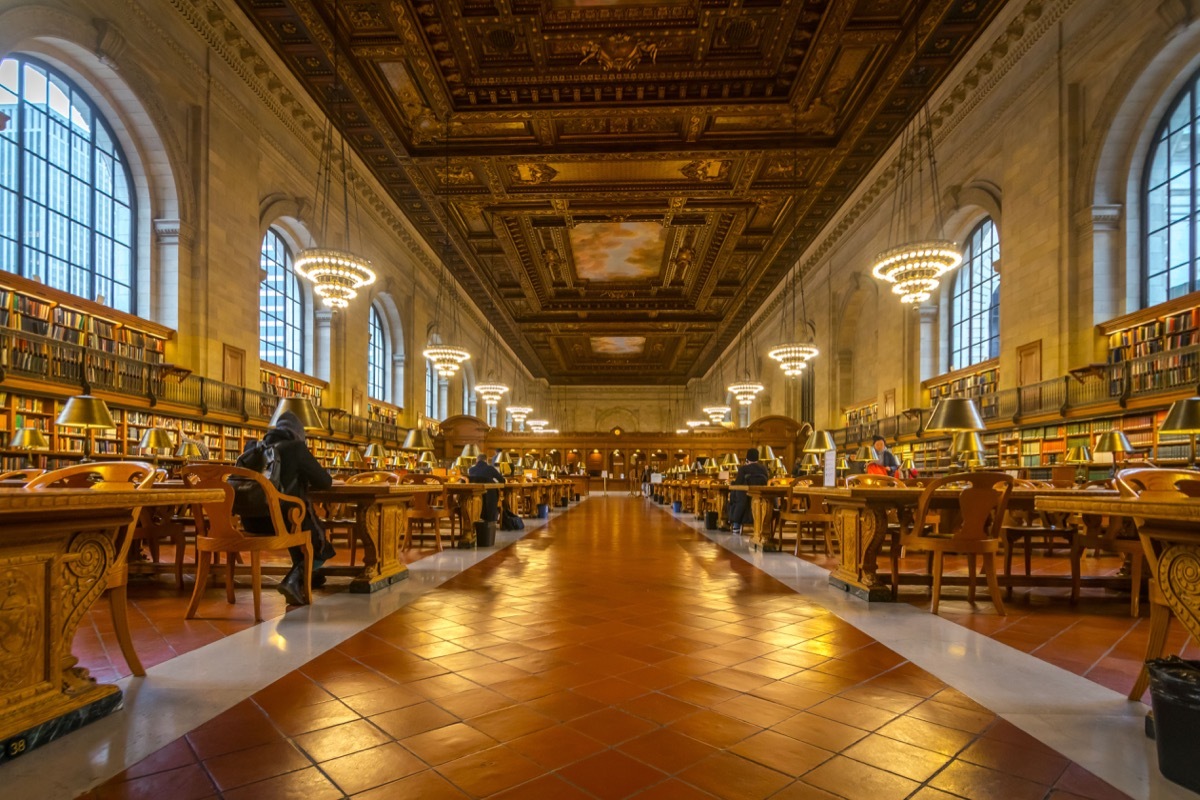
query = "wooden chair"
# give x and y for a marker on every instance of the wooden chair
(337, 523)
(1113, 537)
(874, 481)
(218, 530)
(425, 509)
(100, 476)
(1020, 528)
(812, 516)
(977, 530)
(1157, 485)
(21, 474)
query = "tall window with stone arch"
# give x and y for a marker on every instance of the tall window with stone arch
(378, 356)
(975, 300)
(1171, 203)
(431, 391)
(280, 306)
(67, 208)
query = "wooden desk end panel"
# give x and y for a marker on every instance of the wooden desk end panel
(51, 571)
(382, 525)
(860, 530)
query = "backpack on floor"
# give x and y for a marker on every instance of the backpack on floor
(511, 522)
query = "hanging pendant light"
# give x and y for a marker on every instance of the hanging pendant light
(793, 356)
(446, 358)
(491, 392)
(915, 268)
(716, 413)
(519, 413)
(745, 389)
(491, 389)
(336, 274)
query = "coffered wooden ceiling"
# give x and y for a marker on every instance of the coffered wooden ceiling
(624, 177)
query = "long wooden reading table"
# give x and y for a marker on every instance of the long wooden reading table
(57, 547)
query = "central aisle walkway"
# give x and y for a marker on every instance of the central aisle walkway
(614, 652)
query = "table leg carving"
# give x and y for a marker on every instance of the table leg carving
(381, 524)
(762, 509)
(861, 532)
(1179, 581)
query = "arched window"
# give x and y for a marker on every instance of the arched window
(280, 309)
(975, 305)
(377, 357)
(1169, 207)
(66, 206)
(431, 391)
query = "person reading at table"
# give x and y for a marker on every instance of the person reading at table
(884, 457)
(483, 472)
(751, 473)
(298, 472)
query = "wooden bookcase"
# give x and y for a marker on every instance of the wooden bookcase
(862, 415)
(52, 335)
(1162, 342)
(979, 382)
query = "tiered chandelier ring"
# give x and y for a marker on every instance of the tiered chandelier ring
(915, 269)
(745, 391)
(793, 358)
(519, 413)
(491, 392)
(446, 358)
(538, 425)
(336, 275)
(716, 413)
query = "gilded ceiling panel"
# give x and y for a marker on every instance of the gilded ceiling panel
(620, 165)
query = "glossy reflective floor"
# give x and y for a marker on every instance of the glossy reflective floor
(614, 652)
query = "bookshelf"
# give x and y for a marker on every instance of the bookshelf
(1158, 347)
(862, 415)
(49, 334)
(978, 382)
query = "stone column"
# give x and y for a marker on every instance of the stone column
(1099, 232)
(398, 393)
(443, 398)
(930, 342)
(323, 344)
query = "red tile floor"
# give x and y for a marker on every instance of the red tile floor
(613, 653)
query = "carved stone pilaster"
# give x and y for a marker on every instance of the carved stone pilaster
(173, 231)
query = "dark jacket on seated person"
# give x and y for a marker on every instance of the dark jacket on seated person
(299, 471)
(751, 473)
(483, 472)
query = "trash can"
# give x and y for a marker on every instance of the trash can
(485, 533)
(1175, 698)
(677, 506)
(711, 520)
(543, 510)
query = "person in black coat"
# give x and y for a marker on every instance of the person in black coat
(483, 472)
(751, 473)
(299, 471)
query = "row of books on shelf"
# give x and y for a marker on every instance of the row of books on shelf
(282, 385)
(976, 385)
(20, 312)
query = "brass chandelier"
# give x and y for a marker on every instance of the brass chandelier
(793, 355)
(446, 358)
(915, 267)
(336, 274)
(492, 389)
(746, 388)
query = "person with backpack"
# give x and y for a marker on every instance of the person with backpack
(884, 457)
(287, 462)
(752, 473)
(483, 472)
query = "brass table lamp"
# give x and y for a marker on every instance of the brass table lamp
(374, 454)
(303, 408)
(417, 440)
(953, 414)
(29, 439)
(1115, 442)
(89, 413)
(969, 446)
(156, 441)
(189, 451)
(470, 451)
(864, 453)
(820, 442)
(1184, 417)
(1081, 457)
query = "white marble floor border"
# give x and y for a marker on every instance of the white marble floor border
(183, 693)
(1088, 723)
